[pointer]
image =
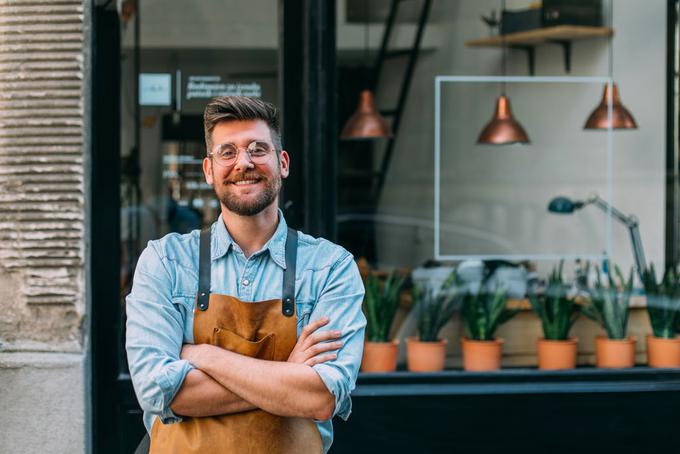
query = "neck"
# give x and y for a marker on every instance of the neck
(251, 233)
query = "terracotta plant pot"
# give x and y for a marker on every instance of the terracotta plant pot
(614, 353)
(380, 356)
(557, 354)
(482, 355)
(663, 352)
(425, 356)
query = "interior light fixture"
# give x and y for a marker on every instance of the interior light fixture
(621, 117)
(503, 128)
(564, 205)
(366, 122)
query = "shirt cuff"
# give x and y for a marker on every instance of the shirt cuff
(334, 381)
(170, 382)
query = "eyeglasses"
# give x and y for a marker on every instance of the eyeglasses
(226, 154)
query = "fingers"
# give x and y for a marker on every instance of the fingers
(321, 359)
(323, 347)
(313, 326)
(322, 336)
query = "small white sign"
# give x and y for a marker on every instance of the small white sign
(155, 89)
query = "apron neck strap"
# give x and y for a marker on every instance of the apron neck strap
(204, 263)
(204, 270)
(289, 274)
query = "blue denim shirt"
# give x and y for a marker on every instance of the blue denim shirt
(160, 308)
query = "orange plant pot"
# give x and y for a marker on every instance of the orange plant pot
(380, 356)
(614, 353)
(482, 355)
(663, 352)
(425, 356)
(557, 354)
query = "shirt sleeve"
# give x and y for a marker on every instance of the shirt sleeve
(155, 327)
(341, 301)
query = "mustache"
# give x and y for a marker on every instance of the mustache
(245, 176)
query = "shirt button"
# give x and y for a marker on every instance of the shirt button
(246, 282)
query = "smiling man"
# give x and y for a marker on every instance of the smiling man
(246, 336)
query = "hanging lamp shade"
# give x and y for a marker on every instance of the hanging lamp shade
(503, 129)
(621, 117)
(366, 122)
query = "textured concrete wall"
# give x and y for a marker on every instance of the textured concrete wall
(41, 173)
(42, 298)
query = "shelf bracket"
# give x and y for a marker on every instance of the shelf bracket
(566, 51)
(531, 56)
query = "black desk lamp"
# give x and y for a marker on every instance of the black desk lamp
(563, 205)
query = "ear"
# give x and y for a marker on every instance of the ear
(207, 171)
(284, 163)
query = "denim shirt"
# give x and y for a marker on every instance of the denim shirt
(160, 309)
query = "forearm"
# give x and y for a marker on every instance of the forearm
(280, 388)
(200, 395)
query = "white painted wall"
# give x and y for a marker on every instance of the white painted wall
(494, 198)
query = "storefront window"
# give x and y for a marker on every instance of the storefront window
(442, 194)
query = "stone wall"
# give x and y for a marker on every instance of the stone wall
(42, 225)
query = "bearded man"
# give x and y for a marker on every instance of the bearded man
(246, 336)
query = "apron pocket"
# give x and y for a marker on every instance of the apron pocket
(262, 349)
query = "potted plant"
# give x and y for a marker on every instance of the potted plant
(609, 308)
(483, 312)
(381, 302)
(434, 309)
(663, 307)
(558, 312)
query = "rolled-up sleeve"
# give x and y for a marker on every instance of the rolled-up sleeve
(341, 301)
(154, 335)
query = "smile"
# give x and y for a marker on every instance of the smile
(246, 182)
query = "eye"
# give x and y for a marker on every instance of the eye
(258, 149)
(226, 153)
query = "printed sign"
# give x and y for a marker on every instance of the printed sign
(206, 87)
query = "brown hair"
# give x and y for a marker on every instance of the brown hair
(240, 108)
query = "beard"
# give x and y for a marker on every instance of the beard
(246, 206)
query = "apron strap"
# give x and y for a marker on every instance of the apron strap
(288, 297)
(204, 270)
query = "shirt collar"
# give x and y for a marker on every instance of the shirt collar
(222, 241)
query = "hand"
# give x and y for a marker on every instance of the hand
(311, 343)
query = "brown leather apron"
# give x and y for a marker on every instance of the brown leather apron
(263, 329)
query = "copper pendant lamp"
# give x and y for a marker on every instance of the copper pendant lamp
(503, 129)
(621, 117)
(366, 122)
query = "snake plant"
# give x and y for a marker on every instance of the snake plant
(663, 301)
(380, 305)
(485, 311)
(556, 310)
(609, 303)
(435, 308)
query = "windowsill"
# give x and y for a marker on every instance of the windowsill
(517, 381)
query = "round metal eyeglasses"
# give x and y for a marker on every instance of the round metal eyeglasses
(226, 154)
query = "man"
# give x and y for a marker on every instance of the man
(248, 336)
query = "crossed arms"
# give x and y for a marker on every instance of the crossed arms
(225, 382)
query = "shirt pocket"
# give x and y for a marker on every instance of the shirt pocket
(303, 310)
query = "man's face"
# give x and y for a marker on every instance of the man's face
(245, 187)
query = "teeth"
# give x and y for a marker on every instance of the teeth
(246, 182)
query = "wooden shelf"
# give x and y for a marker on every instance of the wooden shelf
(528, 40)
(542, 35)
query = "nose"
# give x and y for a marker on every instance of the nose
(243, 161)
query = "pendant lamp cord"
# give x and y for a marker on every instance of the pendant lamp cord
(611, 40)
(366, 32)
(504, 56)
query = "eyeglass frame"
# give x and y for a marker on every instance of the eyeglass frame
(270, 148)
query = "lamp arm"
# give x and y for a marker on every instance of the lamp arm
(633, 227)
(602, 204)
